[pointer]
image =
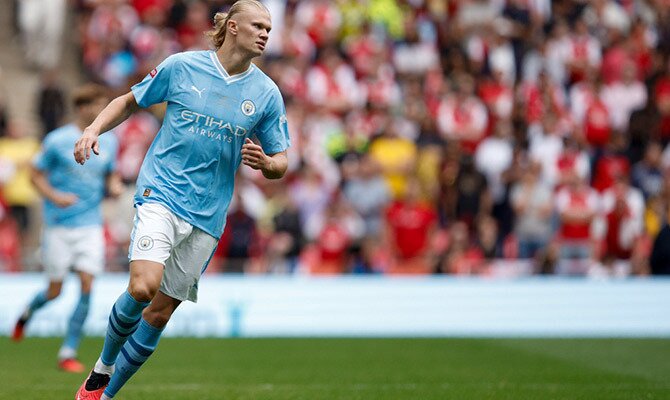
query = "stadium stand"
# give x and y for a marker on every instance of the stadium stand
(489, 137)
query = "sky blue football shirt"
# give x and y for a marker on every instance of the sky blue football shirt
(86, 181)
(190, 166)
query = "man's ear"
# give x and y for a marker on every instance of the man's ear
(232, 27)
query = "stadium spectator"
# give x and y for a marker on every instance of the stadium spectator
(486, 241)
(368, 193)
(572, 160)
(10, 243)
(622, 207)
(51, 101)
(410, 225)
(659, 261)
(397, 157)
(336, 231)
(462, 116)
(546, 146)
(286, 240)
(19, 149)
(611, 164)
(472, 191)
(532, 203)
(622, 97)
(644, 126)
(577, 207)
(584, 52)
(460, 256)
(662, 100)
(239, 237)
(42, 23)
(493, 157)
(647, 174)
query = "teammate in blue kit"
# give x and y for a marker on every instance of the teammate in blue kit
(216, 101)
(73, 235)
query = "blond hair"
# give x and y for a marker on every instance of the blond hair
(218, 33)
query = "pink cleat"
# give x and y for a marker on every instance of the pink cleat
(71, 365)
(93, 387)
(17, 334)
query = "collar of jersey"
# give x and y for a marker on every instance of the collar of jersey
(224, 74)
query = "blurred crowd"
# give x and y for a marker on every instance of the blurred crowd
(467, 137)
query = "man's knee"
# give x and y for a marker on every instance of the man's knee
(52, 293)
(54, 289)
(142, 291)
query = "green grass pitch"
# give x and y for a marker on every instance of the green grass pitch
(365, 369)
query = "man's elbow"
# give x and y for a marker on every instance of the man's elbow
(278, 168)
(35, 175)
(274, 174)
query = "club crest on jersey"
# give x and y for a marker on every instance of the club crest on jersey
(248, 108)
(145, 243)
(153, 72)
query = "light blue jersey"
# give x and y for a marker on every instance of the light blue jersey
(86, 181)
(190, 166)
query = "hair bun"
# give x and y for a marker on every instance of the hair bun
(220, 17)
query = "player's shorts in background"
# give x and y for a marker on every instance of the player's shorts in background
(81, 248)
(161, 236)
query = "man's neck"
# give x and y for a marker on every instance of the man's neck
(232, 60)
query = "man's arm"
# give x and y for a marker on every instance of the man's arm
(273, 166)
(114, 184)
(116, 112)
(41, 183)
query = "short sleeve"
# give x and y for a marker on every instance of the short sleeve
(155, 87)
(45, 159)
(272, 130)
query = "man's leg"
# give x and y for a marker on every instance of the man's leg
(68, 352)
(182, 272)
(36, 303)
(145, 279)
(143, 342)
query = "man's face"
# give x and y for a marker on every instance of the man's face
(253, 30)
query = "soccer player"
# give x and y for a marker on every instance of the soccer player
(216, 101)
(73, 235)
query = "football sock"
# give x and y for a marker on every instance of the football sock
(123, 320)
(74, 327)
(102, 368)
(37, 302)
(133, 354)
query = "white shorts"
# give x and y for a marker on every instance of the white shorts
(161, 236)
(82, 249)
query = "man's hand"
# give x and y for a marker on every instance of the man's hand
(115, 186)
(253, 155)
(272, 166)
(83, 146)
(63, 200)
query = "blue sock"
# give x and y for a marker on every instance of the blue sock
(36, 303)
(74, 327)
(123, 320)
(134, 353)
